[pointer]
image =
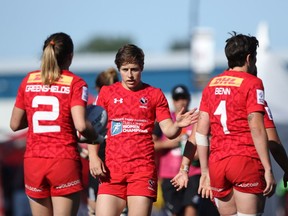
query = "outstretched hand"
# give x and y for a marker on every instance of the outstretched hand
(180, 180)
(187, 118)
(204, 187)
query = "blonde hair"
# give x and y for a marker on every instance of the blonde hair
(57, 50)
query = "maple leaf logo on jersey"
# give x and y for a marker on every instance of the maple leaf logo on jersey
(152, 185)
(144, 101)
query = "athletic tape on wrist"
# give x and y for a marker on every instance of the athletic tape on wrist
(201, 139)
(184, 168)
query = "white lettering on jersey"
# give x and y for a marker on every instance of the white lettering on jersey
(46, 88)
(127, 125)
(222, 91)
(260, 96)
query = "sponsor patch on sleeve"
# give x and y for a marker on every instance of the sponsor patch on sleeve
(85, 93)
(269, 113)
(260, 96)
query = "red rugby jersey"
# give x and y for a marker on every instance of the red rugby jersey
(51, 132)
(131, 117)
(228, 99)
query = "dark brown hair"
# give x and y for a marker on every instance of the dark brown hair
(130, 53)
(238, 46)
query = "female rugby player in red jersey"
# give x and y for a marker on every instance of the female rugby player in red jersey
(51, 103)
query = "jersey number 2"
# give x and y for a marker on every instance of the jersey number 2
(45, 115)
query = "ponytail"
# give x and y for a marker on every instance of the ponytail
(57, 55)
(50, 71)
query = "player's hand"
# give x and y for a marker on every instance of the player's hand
(180, 180)
(187, 118)
(270, 184)
(204, 187)
(97, 167)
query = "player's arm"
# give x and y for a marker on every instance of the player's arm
(190, 149)
(278, 151)
(172, 129)
(83, 126)
(96, 165)
(18, 119)
(181, 179)
(259, 136)
(201, 137)
(160, 143)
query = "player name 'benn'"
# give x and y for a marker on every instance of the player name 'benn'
(222, 91)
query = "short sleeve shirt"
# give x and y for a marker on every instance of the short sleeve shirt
(228, 99)
(51, 131)
(131, 118)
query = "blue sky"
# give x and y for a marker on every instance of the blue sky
(152, 24)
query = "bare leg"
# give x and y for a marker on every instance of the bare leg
(249, 203)
(109, 205)
(41, 207)
(66, 205)
(190, 211)
(139, 205)
(226, 205)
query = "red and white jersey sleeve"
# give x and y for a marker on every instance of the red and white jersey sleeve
(268, 118)
(51, 131)
(131, 118)
(228, 99)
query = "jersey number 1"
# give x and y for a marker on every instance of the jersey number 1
(221, 110)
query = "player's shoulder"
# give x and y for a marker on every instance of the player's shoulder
(251, 79)
(34, 73)
(33, 77)
(108, 88)
(68, 73)
(151, 88)
(70, 78)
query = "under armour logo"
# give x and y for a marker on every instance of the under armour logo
(120, 100)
